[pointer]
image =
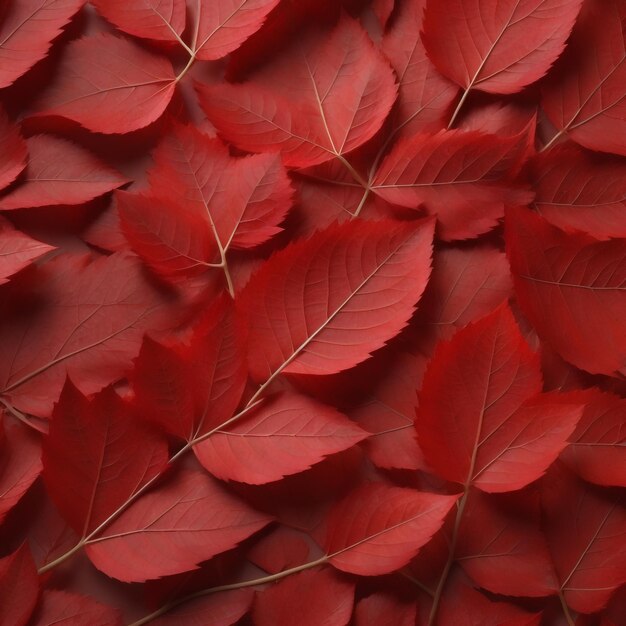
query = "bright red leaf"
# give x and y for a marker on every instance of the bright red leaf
(27, 28)
(92, 445)
(59, 172)
(586, 98)
(17, 251)
(464, 178)
(286, 435)
(186, 520)
(572, 289)
(324, 304)
(579, 190)
(315, 598)
(120, 91)
(378, 529)
(323, 98)
(60, 607)
(499, 47)
(479, 420)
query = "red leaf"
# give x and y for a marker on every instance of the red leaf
(378, 529)
(220, 609)
(424, 95)
(61, 607)
(282, 549)
(170, 239)
(223, 25)
(19, 588)
(322, 98)
(585, 527)
(359, 282)
(193, 388)
(498, 47)
(382, 609)
(466, 284)
(586, 97)
(314, 598)
(241, 200)
(162, 20)
(60, 172)
(579, 190)
(571, 288)
(389, 414)
(479, 421)
(120, 91)
(186, 520)
(13, 151)
(92, 446)
(597, 450)
(27, 28)
(87, 320)
(18, 251)
(20, 463)
(501, 547)
(462, 177)
(286, 435)
(464, 606)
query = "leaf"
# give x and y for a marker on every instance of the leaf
(317, 597)
(161, 20)
(378, 529)
(383, 609)
(187, 520)
(223, 25)
(498, 47)
(281, 549)
(121, 91)
(597, 448)
(20, 464)
(325, 96)
(85, 320)
(192, 388)
(60, 172)
(220, 609)
(466, 284)
(389, 413)
(71, 609)
(17, 251)
(286, 435)
(586, 97)
(579, 190)
(325, 304)
(501, 547)
(572, 288)
(424, 94)
(92, 446)
(13, 151)
(241, 200)
(465, 178)
(464, 606)
(19, 587)
(27, 28)
(585, 530)
(479, 421)
(173, 241)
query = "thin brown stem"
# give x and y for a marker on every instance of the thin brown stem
(451, 554)
(553, 140)
(418, 583)
(22, 417)
(241, 585)
(459, 106)
(566, 612)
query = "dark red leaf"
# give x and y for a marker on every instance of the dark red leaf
(71, 609)
(13, 151)
(19, 588)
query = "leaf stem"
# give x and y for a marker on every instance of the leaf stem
(551, 142)
(241, 585)
(22, 417)
(451, 554)
(459, 106)
(566, 612)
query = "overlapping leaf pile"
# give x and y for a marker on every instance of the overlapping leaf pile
(313, 312)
